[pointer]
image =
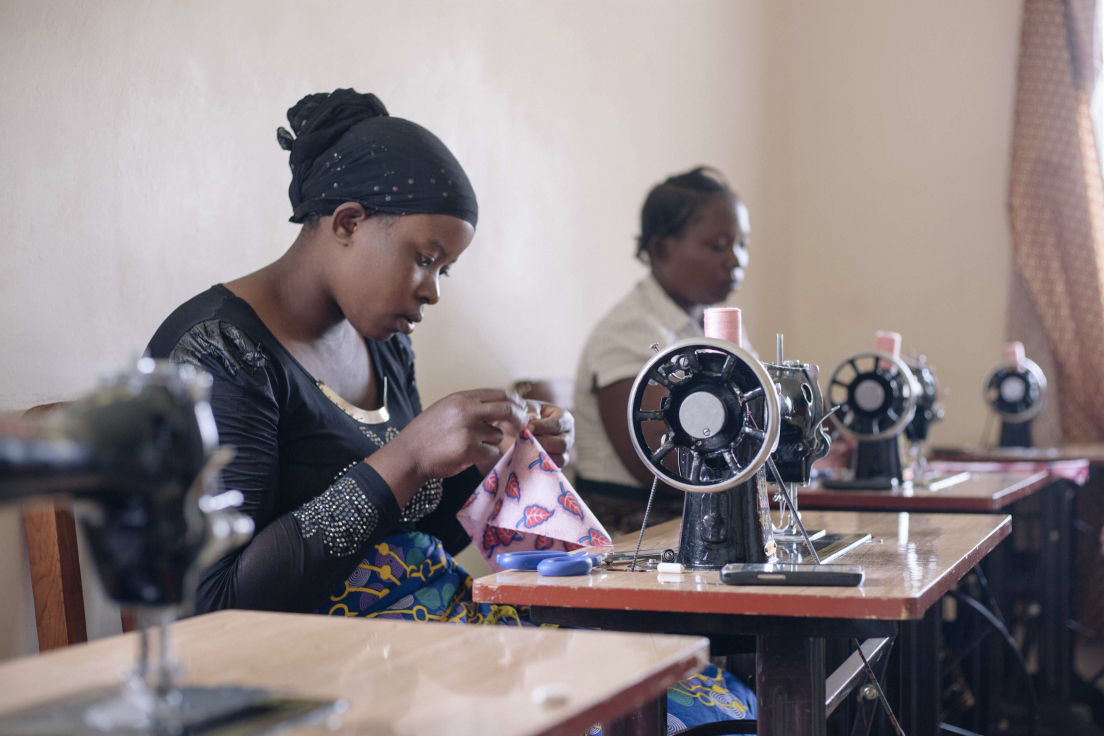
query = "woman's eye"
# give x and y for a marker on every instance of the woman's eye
(425, 261)
(445, 271)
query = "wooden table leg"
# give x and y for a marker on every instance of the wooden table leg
(919, 709)
(789, 684)
(649, 719)
(1056, 593)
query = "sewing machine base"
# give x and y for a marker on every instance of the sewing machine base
(879, 461)
(784, 537)
(930, 482)
(732, 525)
(938, 481)
(229, 711)
(829, 547)
(1016, 434)
(861, 484)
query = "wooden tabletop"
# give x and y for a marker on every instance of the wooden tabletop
(912, 561)
(398, 677)
(1093, 452)
(978, 492)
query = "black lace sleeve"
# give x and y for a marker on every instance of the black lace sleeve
(297, 555)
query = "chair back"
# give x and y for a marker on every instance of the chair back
(55, 569)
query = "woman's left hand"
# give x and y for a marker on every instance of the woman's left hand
(554, 428)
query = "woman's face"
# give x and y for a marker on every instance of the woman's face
(706, 262)
(392, 269)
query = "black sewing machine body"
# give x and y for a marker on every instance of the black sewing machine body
(877, 396)
(131, 457)
(138, 459)
(705, 417)
(731, 525)
(928, 409)
(1015, 391)
(802, 439)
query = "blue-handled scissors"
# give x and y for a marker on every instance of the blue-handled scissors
(552, 563)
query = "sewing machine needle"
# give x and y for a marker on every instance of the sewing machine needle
(793, 509)
(785, 493)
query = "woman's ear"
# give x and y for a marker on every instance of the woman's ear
(345, 220)
(657, 249)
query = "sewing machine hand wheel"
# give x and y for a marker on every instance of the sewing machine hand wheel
(1015, 391)
(876, 393)
(712, 404)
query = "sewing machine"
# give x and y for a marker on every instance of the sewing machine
(706, 417)
(138, 459)
(1014, 391)
(877, 395)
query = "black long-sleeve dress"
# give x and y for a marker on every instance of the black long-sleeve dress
(329, 535)
(317, 508)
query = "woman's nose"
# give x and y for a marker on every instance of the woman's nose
(739, 256)
(429, 290)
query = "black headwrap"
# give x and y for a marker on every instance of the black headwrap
(346, 148)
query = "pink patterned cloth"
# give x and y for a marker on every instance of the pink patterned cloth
(526, 503)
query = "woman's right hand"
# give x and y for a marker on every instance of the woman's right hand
(459, 431)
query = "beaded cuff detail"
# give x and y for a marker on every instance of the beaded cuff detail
(343, 516)
(424, 500)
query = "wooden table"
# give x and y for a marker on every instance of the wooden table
(1093, 452)
(397, 677)
(911, 562)
(989, 488)
(979, 492)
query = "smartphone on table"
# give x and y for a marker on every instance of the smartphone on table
(788, 573)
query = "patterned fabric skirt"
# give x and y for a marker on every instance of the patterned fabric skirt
(410, 576)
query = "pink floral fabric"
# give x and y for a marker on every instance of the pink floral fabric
(526, 503)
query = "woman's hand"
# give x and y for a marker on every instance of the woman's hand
(554, 428)
(463, 429)
(841, 453)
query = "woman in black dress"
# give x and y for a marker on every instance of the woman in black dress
(314, 378)
(352, 485)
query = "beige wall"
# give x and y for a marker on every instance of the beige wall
(899, 156)
(870, 140)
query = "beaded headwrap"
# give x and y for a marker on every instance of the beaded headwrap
(345, 147)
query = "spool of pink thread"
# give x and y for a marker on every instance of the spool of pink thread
(1014, 353)
(888, 342)
(723, 323)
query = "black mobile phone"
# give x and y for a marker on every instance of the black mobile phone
(786, 573)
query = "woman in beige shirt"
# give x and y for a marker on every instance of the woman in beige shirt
(694, 234)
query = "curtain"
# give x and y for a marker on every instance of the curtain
(1056, 204)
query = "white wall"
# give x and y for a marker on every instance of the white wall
(140, 166)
